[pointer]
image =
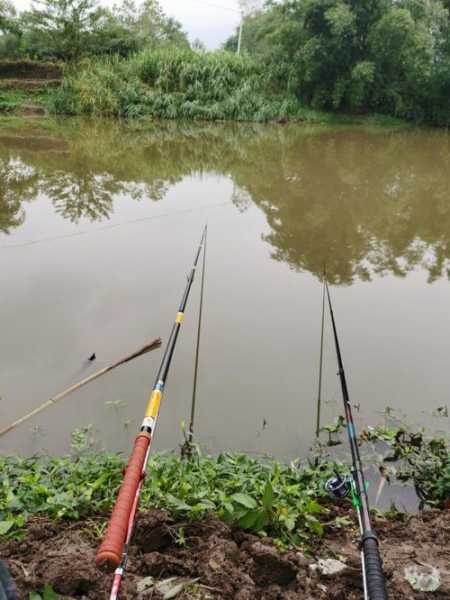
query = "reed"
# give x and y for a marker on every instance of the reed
(173, 83)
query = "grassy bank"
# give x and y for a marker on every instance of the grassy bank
(267, 497)
(231, 527)
(175, 84)
(261, 496)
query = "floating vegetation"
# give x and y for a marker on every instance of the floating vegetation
(415, 458)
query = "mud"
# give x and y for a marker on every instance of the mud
(226, 563)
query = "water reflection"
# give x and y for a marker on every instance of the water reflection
(363, 203)
(17, 183)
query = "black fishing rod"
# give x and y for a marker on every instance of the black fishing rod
(373, 576)
(113, 551)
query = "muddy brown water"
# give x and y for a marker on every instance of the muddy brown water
(98, 227)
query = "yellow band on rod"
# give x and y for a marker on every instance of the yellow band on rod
(179, 318)
(153, 404)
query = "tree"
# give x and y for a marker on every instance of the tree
(8, 21)
(256, 26)
(407, 46)
(392, 56)
(129, 27)
(60, 28)
(249, 7)
(153, 28)
(69, 29)
(198, 45)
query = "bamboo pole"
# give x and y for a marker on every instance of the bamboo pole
(147, 348)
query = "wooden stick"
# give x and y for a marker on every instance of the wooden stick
(147, 348)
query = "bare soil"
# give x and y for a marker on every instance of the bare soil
(229, 563)
(28, 69)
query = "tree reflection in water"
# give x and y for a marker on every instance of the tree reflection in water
(363, 202)
(18, 182)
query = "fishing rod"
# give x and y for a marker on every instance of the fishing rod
(113, 552)
(373, 576)
(147, 348)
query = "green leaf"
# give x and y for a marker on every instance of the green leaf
(267, 499)
(248, 520)
(314, 507)
(244, 500)
(5, 526)
(34, 596)
(176, 503)
(314, 525)
(262, 521)
(49, 593)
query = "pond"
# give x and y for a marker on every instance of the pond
(98, 229)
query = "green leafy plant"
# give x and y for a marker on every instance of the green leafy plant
(423, 461)
(263, 496)
(46, 594)
(334, 429)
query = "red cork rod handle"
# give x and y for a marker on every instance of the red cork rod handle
(110, 552)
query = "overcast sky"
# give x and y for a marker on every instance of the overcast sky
(212, 21)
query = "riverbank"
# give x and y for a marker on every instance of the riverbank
(162, 85)
(233, 526)
(208, 559)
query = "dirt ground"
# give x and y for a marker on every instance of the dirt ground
(28, 69)
(226, 563)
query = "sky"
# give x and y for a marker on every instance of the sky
(209, 20)
(212, 21)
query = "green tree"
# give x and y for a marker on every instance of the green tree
(392, 56)
(8, 17)
(10, 32)
(60, 28)
(70, 29)
(407, 47)
(128, 28)
(148, 24)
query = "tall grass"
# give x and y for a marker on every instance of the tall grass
(173, 84)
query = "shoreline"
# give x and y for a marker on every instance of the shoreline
(210, 560)
(230, 526)
(21, 106)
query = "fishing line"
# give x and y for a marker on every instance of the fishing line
(112, 226)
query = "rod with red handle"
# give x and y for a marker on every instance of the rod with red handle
(113, 551)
